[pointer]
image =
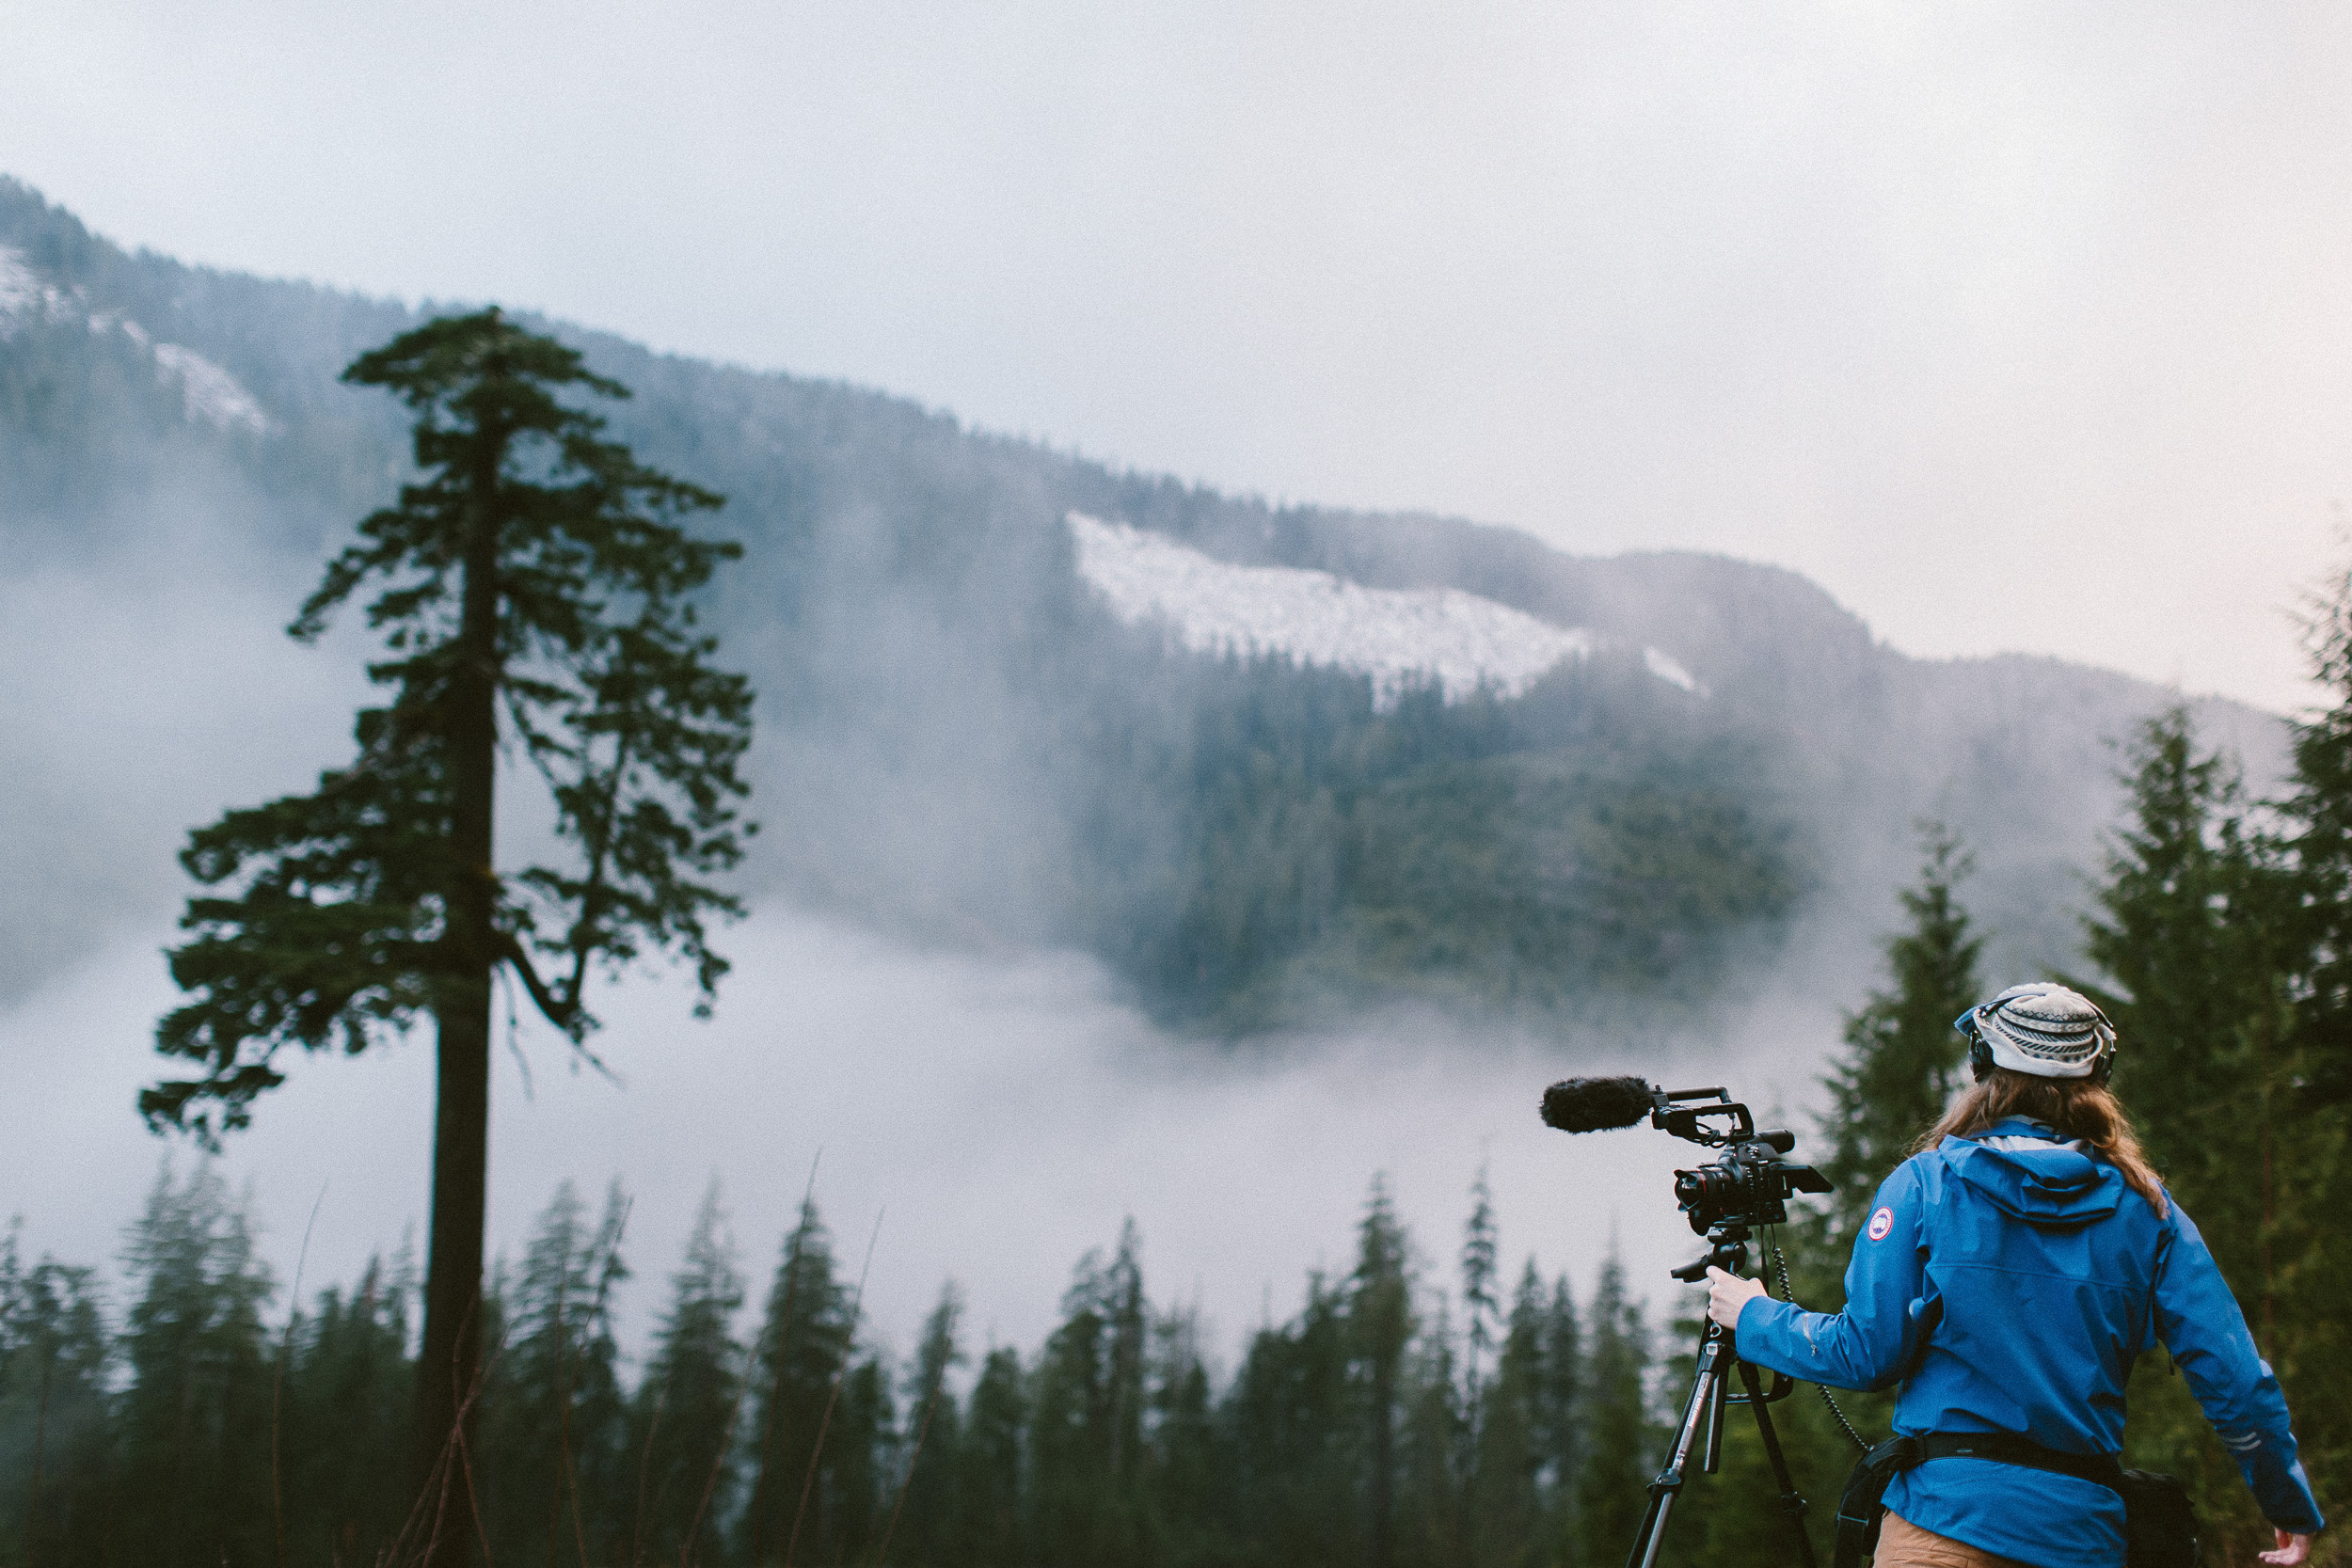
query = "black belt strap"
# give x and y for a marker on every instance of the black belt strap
(2102, 1469)
(1858, 1509)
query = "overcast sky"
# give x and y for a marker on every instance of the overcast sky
(2018, 326)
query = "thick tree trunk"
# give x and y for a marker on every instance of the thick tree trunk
(449, 1376)
(448, 1372)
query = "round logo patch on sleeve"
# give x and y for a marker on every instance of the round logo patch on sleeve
(1881, 1223)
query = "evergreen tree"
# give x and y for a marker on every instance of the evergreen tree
(347, 1399)
(1381, 1324)
(534, 587)
(55, 1355)
(1903, 1057)
(1086, 1415)
(555, 1430)
(991, 1478)
(1191, 1471)
(1617, 1435)
(1505, 1504)
(2319, 816)
(192, 1479)
(1429, 1515)
(682, 1432)
(1298, 1437)
(2307, 1186)
(1480, 1306)
(861, 1454)
(1562, 1424)
(2189, 935)
(801, 1355)
(925, 1514)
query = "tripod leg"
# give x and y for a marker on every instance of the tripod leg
(1791, 1498)
(1712, 1455)
(1703, 1401)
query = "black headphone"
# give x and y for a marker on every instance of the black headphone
(1979, 1054)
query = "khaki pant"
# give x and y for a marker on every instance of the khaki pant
(1904, 1544)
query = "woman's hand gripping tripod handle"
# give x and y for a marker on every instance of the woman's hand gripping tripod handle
(1728, 1292)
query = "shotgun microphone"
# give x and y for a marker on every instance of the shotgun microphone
(1598, 1104)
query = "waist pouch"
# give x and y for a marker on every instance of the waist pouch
(2160, 1526)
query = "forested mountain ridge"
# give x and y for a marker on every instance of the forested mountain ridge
(957, 735)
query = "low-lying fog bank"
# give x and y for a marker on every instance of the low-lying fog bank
(1002, 1117)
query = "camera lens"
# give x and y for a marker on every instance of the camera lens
(1710, 1189)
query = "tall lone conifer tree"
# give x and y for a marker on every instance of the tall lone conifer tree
(534, 591)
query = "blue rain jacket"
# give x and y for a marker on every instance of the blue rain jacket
(2008, 1281)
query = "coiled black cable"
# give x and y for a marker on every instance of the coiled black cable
(1780, 1262)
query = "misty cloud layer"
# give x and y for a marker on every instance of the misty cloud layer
(1000, 1118)
(142, 697)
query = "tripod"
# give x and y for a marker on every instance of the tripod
(1703, 1409)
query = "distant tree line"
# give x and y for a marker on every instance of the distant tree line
(1373, 1426)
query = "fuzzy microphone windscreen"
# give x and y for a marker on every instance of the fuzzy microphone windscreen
(1596, 1105)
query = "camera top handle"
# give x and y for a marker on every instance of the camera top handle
(1693, 1123)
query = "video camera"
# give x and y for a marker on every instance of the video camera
(1748, 1186)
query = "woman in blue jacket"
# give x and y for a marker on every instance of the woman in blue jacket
(2008, 1275)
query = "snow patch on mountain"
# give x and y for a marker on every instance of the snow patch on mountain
(22, 293)
(19, 288)
(1672, 672)
(209, 394)
(1399, 637)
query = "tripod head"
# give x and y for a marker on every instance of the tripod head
(1726, 1249)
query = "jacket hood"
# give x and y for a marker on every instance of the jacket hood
(2027, 1171)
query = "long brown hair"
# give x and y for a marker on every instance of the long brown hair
(2077, 1107)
